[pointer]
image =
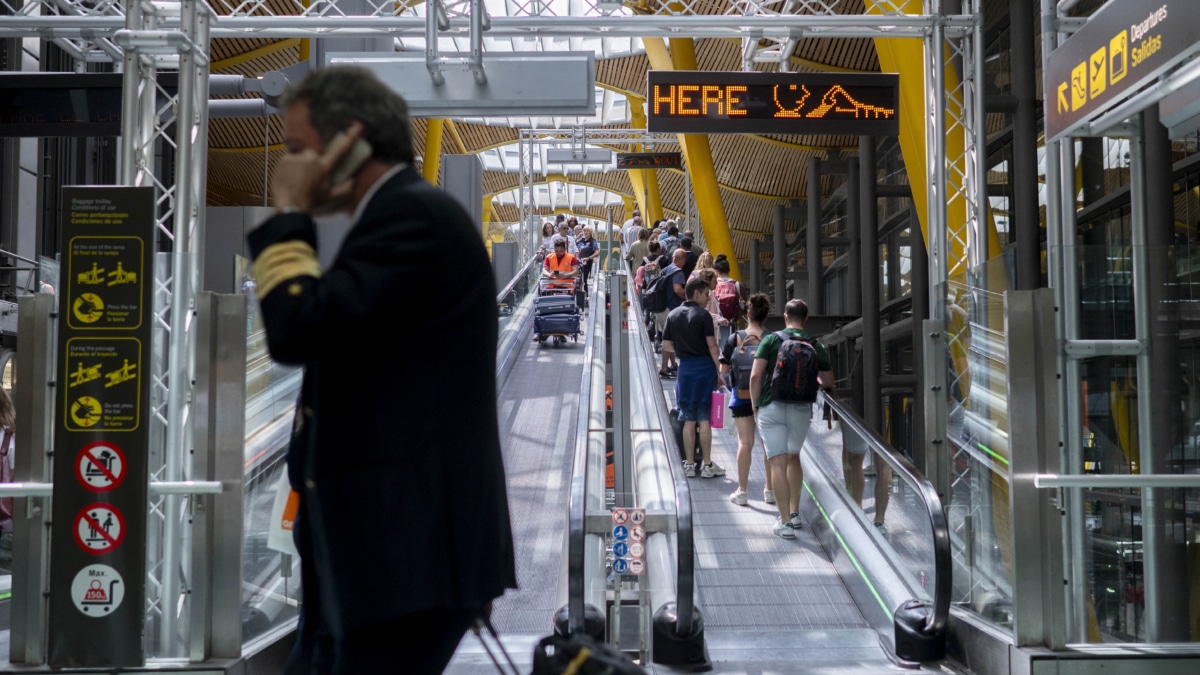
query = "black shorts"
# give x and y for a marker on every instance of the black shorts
(743, 410)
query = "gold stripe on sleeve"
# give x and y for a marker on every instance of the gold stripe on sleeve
(283, 261)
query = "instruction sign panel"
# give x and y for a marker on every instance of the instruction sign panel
(103, 391)
(628, 532)
(98, 539)
(1121, 49)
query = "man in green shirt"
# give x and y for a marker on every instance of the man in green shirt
(785, 411)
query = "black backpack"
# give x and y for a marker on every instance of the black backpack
(743, 363)
(654, 296)
(794, 379)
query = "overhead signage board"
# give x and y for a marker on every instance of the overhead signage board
(98, 539)
(64, 104)
(650, 160)
(1122, 48)
(727, 102)
(518, 84)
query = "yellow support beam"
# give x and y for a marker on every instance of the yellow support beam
(697, 154)
(265, 50)
(637, 177)
(433, 149)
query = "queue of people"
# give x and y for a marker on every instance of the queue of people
(694, 309)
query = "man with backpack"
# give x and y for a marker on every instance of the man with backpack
(663, 294)
(790, 367)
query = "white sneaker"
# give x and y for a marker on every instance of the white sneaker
(711, 470)
(739, 498)
(769, 496)
(796, 523)
(689, 469)
(784, 530)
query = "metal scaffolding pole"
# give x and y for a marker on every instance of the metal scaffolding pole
(868, 250)
(852, 301)
(812, 255)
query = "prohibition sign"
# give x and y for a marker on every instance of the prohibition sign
(99, 528)
(100, 466)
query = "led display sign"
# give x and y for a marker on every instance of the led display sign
(64, 104)
(771, 103)
(649, 160)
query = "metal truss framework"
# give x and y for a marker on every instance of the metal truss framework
(91, 30)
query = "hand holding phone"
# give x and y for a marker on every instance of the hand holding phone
(351, 162)
(314, 182)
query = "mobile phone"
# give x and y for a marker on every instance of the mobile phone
(351, 162)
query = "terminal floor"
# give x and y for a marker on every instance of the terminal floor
(771, 606)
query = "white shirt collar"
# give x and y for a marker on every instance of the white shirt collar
(362, 204)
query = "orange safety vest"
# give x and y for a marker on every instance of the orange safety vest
(564, 264)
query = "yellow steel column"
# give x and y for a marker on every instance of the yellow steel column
(637, 177)
(433, 149)
(697, 154)
(652, 204)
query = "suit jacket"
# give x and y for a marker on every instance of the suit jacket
(396, 452)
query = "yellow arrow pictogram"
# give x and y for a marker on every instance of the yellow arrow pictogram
(1062, 99)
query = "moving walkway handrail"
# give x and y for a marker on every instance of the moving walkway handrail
(935, 623)
(685, 583)
(577, 507)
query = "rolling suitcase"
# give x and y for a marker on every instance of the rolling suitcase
(554, 304)
(556, 324)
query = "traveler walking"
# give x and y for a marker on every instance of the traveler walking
(639, 250)
(589, 251)
(689, 263)
(737, 362)
(789, 367)
(730, 295)
(689, 334)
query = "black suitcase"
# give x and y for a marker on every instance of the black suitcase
(554, 304)
(556, 324)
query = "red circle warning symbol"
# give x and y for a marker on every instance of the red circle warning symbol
(620, 516)
(100, 466)
(99, 528)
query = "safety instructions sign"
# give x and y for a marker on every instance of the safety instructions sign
(97, 590)
(98, 539)
(100, 466)
(99, 528)
(102, 391)
(628, 533)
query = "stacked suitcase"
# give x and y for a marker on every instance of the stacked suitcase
(555, 315)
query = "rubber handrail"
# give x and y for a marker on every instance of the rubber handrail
(685, 579)
(577, 507)
(935, 623)
(515, 280)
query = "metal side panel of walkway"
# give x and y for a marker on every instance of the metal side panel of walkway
(538, 407)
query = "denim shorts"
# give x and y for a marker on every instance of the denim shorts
(694, 414)
(784, 426)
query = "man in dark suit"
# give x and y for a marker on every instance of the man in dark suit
(403, 530)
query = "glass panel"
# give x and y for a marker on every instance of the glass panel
(270, 578)
(526, 284)
(1120, 565)
(977, 419)
(890, 504)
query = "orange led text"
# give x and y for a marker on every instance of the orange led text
(698, 100)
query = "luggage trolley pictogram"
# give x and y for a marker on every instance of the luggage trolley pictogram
(100, 466)
(97, 590)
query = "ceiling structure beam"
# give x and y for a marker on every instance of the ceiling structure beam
(660, 26)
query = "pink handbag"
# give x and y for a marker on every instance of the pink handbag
(716, 417)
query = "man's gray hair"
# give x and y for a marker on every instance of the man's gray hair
(339, 95)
